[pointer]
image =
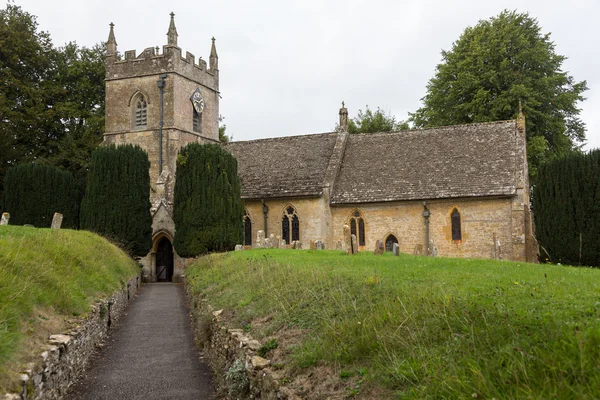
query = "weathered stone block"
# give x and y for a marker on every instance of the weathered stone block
(5, 218)
(56, 221)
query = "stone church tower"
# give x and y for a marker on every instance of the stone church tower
(161, 101)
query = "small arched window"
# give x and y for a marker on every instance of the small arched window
(197, 121)
(141, 112)
(290, 225)
(456, 229)
(247, 229)
(357, 227)
(389, 242)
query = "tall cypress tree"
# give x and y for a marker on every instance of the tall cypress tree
(34, 192)
(116, 202)
(566, 203)
(208, 209)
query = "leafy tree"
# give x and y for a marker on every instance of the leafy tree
(223, 137)
(495, 65)
(369, 121)
(567, 210)
(207, 207)
(34, 192)
(117, 197)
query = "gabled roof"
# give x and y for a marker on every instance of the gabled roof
(283, 167)
(471, 160)
(446, 162)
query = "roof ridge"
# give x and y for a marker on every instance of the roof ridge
(283, 137)
(419, 130)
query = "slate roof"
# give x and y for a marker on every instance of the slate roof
(283, 167)
(446, 162)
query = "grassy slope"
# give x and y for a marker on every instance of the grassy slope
(420, 327)
(47, 276)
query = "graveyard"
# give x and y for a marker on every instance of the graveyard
(379, 326)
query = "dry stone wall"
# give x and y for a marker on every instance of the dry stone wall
(64, 359)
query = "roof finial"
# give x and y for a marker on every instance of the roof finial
(214, 58)
(343, 118)
(172, 33)
(111, 44)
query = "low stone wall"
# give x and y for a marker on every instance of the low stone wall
(232, 355)
(67, 354)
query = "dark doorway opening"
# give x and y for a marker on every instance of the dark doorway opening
(389, 242)
(164, 261)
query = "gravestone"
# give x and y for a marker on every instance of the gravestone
(267, 244)
(396, 249)
(347, 240)
(282, 244)
(239, 247)
(319, 245)
(277, 242)
(5, 218)
(312, 245)
(434, 252)
(418, 250)
(298, 245)
(379, 247)
(56, 221)
(339, 245)
(273, 244)
(260, 239)
(354, 244)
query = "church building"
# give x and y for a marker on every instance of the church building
(455, 191)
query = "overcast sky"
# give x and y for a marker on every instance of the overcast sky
(286, 66)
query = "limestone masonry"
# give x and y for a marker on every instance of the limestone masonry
(459, 191)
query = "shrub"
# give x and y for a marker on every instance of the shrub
(34, 192)
(116, 202)
(207, 205)
(567, 209)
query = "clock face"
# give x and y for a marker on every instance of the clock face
(197, 101)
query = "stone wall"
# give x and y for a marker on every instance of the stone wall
(67, 354)
(232, 355)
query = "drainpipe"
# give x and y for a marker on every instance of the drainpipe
(161, 87)
(265, 210)
(426, 215)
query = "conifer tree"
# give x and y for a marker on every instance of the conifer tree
(207, 207)
(34, 192)
(116, 202)
(567, 210)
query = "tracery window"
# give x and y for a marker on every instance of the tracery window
(357, 227)
(247, 229)
(290, 224)
(456, 229)
(389, 242)
(197, 121)
(141, 112)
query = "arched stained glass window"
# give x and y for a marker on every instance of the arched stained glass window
(247, 229)
(290, 225)
(357, 227)
(456, 229)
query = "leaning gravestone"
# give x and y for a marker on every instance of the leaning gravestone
(347, 240)
(396, 249)
(260, 239)
(56, 221)
(5, 218)
(378, 247)
(354, 244)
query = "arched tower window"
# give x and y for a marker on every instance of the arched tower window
(389, 242)
(141, 112)
(290, 225)
(197, 121)
(357, 227)
(247, 229)
(456, 229)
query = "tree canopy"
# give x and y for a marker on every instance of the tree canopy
(52, 99)
(370, 121)
(495, 65)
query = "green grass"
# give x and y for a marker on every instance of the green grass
(47, 276)
(421, 327)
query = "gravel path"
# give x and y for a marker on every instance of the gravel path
(150, 353)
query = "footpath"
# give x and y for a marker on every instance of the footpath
(150, 353)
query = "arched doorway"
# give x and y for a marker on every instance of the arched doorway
(164, 260)
(389, 242)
